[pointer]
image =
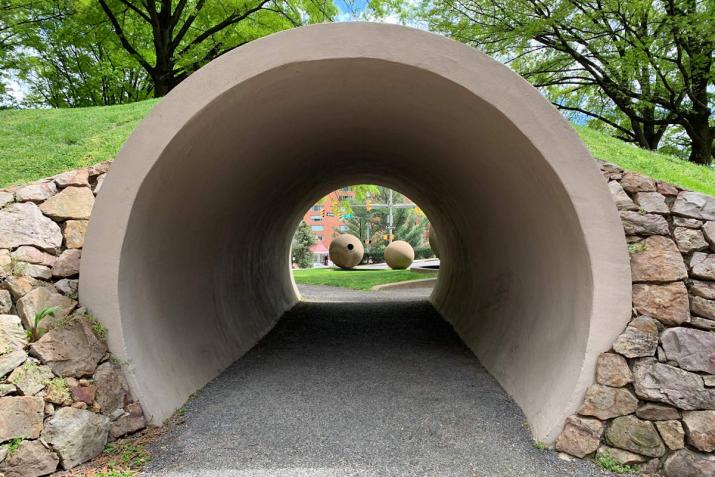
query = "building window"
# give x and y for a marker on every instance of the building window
(343, 228)
(316, 218)
(317, 228)
(316, 207)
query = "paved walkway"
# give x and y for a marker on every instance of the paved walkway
(356, 389)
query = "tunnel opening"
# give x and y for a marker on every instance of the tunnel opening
(188, 272)
(362, 221)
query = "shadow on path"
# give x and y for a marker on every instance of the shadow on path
(336, 389)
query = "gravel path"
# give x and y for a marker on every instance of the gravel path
(319, 293)
(371, 389)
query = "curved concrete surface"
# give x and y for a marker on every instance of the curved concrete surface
(187, 254)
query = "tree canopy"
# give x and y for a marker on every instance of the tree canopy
(86, 52)
(636, 66)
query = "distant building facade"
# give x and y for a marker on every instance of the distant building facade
(324, 219)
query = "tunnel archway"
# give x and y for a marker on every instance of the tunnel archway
(186, 255)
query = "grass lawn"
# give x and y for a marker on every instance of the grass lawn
(652, 164)
(355, 279)
(44, 142)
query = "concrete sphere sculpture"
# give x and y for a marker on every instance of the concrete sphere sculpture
(399, 255)
(433, 242)
(346, 251)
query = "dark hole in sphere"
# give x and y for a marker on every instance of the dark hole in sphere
(351, 246)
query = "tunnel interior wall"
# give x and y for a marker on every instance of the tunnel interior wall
(187, 256)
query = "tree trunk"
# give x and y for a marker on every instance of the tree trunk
(701, 140)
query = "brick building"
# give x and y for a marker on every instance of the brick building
(329, 225)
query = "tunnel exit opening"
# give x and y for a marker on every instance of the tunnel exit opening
(188, 272)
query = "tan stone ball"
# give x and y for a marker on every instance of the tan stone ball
(399, 255)
(346, 251)
(433, 242)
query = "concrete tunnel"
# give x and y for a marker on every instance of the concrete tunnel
(187, 254)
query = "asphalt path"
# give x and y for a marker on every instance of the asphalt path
(374, 385)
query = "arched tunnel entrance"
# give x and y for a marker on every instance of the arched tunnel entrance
(186, 256)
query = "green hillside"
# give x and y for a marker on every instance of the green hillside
(43, 142)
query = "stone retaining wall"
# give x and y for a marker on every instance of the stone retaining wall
(62, 395)
(653, 401)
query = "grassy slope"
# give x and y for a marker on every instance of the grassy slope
(40, 143)
(356, 279)
(658, 166)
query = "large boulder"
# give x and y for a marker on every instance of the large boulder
(71, 203)
(605, 402)
(78, 178)
(67, 264)
(619, 455)
(639, 339)
(612, 370)
(652, 202)
(635, 435)
(5, 303)
(652, 411)
(24, 224)
(672, 434)
(35, 301)
(689, 240)
(657, 259)
(37, 192)
(12, 343)
(654, 381)
(76, 435)
(131, 421)
(692, 349)
(669, 303)
(709, 232)
(633, 182)
(112, 391)
(21, 416)
(74, 232)
(623, 202)
(30, 459)
(30, 378)
(695, 205)
(29, 254)
(21, 286)
(635, 223)
(6, 264)
(701, 429)
(686, 463)
(580, 437)
(702, 265)
(6, 198)
(70, 350)
(703, 307)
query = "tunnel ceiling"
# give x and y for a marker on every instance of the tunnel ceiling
(187, 254)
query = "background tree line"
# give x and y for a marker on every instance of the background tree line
(641, 69)
(73, 53)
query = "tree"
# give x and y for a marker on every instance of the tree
(408, 226)
(170, 39)
(72, 60)
(649, 60)
(302, 241)
(16, 17)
